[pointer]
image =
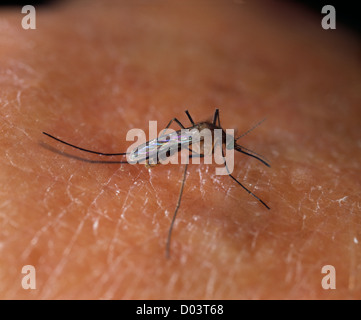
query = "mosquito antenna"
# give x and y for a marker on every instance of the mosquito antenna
(248, 131)
(251, 154)
(167, 251)
(86, 150)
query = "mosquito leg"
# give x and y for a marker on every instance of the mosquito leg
(252, 154)
(190, 118)
(251, 193)
(196, 155)
(177, 121)
(167, 251)
(86, 150)
(216, 117)
(170, 122)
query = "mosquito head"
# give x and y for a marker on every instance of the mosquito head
(230, 142)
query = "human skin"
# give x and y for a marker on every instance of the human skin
(90, 73)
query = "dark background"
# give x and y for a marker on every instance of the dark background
(347, 12)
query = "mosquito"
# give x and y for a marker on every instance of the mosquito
(151, 153)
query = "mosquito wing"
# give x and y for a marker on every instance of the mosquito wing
(164, 145)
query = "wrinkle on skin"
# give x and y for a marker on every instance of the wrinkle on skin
(95, 230)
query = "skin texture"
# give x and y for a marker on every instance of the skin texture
(89, 73)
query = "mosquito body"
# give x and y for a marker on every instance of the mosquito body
(152, 153)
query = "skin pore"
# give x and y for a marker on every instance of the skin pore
(91, 72)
